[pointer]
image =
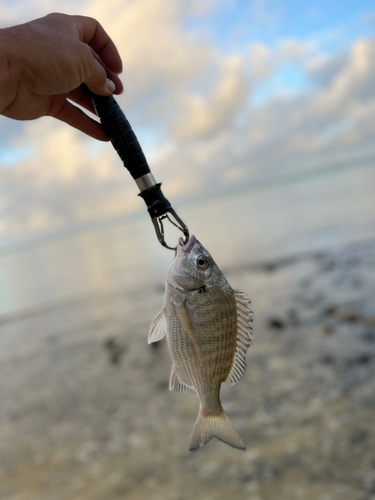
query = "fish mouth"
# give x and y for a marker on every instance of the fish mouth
(189, 245)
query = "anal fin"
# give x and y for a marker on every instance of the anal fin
(175, 384)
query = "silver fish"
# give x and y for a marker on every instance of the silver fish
(208, 326)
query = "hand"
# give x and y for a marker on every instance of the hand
(44, 62)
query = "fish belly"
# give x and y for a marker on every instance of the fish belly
(214, 319)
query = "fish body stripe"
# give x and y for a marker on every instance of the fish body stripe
(214, 318)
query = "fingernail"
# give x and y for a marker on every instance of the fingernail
(110, 86)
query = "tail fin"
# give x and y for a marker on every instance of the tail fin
(219, 426)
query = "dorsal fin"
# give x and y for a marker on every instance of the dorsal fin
(175, 384)
(158, 328)
(244, 336)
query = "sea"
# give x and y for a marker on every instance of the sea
(263, 219)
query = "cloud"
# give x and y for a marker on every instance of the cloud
(261, 60)
(156, 50)
(354, 80)
(266, 12)
(336, 116)
(66, 180)
(194, 101)
(203, 116)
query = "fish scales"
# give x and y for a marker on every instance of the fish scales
(208, 326)
(216, 346)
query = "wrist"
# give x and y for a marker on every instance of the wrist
(11, 67)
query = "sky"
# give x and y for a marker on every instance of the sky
(220, 93)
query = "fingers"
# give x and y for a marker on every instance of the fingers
(116, 80)
(95, 77)
(75, 117)
(110, 74)
(92, 33)
(96, 55)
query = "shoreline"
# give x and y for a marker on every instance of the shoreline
(86, 412)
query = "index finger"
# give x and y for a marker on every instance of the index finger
(92, 33)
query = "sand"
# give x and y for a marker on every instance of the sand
(86, 413)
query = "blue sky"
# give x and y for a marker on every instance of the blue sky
(239, 21)
(335, 24)
(217, 90)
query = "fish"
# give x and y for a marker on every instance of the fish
(209, 330)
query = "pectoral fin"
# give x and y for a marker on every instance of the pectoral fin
(184, 318)
(158, 329)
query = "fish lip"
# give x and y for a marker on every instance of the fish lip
(189, 245)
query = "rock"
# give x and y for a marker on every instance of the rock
(276, 324)
(163, 385)
(270, 267)
(115, 350)
(368, 321)
(155, 345)
(369, 336)
(363, 359)
(345, 314)
(306, 282)
(293, 317)
(326, 330)
(328, 311)
(328, 265)
(356, 283)
(328, 359)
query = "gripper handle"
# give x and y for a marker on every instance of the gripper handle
(125, 142)
(121, 135)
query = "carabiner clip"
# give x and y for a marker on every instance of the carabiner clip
(159, 227)
(159, 208)
(129, 150)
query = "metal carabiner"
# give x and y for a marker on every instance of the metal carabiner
(125, 142)
(159, 227)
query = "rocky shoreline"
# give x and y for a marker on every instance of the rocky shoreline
(86, 412)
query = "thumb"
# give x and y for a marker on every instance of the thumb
(96, 77)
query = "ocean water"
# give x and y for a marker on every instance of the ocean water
(288, 215)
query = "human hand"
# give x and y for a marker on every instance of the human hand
(44, 62)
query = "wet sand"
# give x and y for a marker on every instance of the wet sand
(86, 412)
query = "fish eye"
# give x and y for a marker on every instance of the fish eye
(202, 262)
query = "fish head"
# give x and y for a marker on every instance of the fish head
(193, 267)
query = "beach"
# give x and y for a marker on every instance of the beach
(85, 408)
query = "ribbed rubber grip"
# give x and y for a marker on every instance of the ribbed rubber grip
(119, 131)
(157, 203)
